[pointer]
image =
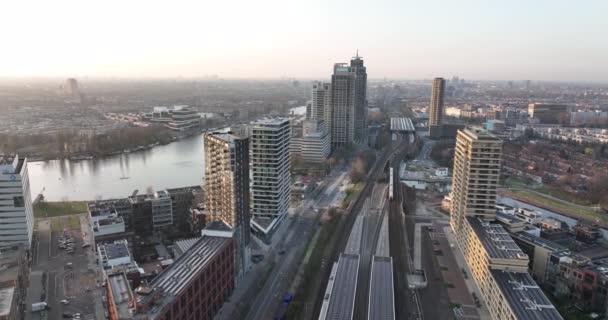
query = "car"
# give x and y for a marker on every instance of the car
(64, 301)
(67, 315)
(282, 251)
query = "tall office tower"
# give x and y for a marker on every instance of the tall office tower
(320, 101)
(475, 176)
(270, 187)
(436, 107)
(226, 188)
(71, 90)
(360, 97)
(16, 213)
(342, 106)
(496, 263)
(347, 118)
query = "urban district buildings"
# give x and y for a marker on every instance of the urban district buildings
(498, 265)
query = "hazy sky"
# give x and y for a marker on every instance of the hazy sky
(506, 39)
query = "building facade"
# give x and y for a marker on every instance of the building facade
(226, 187)
(270, 185)
(315, 143)
(437, 99)
(548, 113)
(320, 101)
(16, 210)
(360, 99)
(348, 117)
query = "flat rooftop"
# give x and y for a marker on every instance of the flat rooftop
(381, 291)
(402, 124)
(270, 122)
(116, 250)
(508, 218)
(496, 240)
(524, 296)
(538, 241)
(176, 277)
(479, 134)
(228, 137)
(342, 300)
(122, 294)
(6, 300)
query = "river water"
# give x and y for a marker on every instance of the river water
(177, 164)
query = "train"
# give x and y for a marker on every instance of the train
(390, 184)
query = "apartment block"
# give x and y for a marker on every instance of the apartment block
(270, 177)
(498, 265)
(226, 187)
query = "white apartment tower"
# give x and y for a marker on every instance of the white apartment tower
(270, 177)
(320, 104)
(16, 212)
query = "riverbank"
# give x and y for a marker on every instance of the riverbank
(79, 156)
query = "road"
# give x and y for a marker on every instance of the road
(60, 283)
(268, 300)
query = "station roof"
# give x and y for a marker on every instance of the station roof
(402, 124)
(381, 292)
(342, 300)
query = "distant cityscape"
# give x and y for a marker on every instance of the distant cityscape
(380, 199)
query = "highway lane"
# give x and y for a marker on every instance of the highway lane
(285, 266)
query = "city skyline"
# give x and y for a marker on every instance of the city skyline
(515, 40)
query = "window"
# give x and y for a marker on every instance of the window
(18, 202)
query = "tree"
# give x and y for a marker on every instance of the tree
(357, 171)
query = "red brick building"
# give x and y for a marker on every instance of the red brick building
(194, 287)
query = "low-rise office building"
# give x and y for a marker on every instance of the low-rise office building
(194, 287)
(114, 254)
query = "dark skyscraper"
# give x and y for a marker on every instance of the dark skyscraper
(360, 92)
(436, 107)
(348, 103)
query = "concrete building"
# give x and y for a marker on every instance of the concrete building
(498, 266)
(16, 211)
(348, 100)
(194, 287)
(226, 187)
(177, 118)
(548, 113)
(315, 143)
(119, 296)
(183, 200)
(114, 254)
(270, 177)
(14, 281)
(437, 99)
(320, 104)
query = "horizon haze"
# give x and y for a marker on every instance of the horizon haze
(515, 40)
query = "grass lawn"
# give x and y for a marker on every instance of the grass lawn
(57, 224)
(74, 222)
(52, 209)
(550, 204)
(350, 193)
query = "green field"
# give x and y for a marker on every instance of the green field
(565, 208)
(350, 193)
(53, 209)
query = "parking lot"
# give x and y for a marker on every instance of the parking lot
(66, 266)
